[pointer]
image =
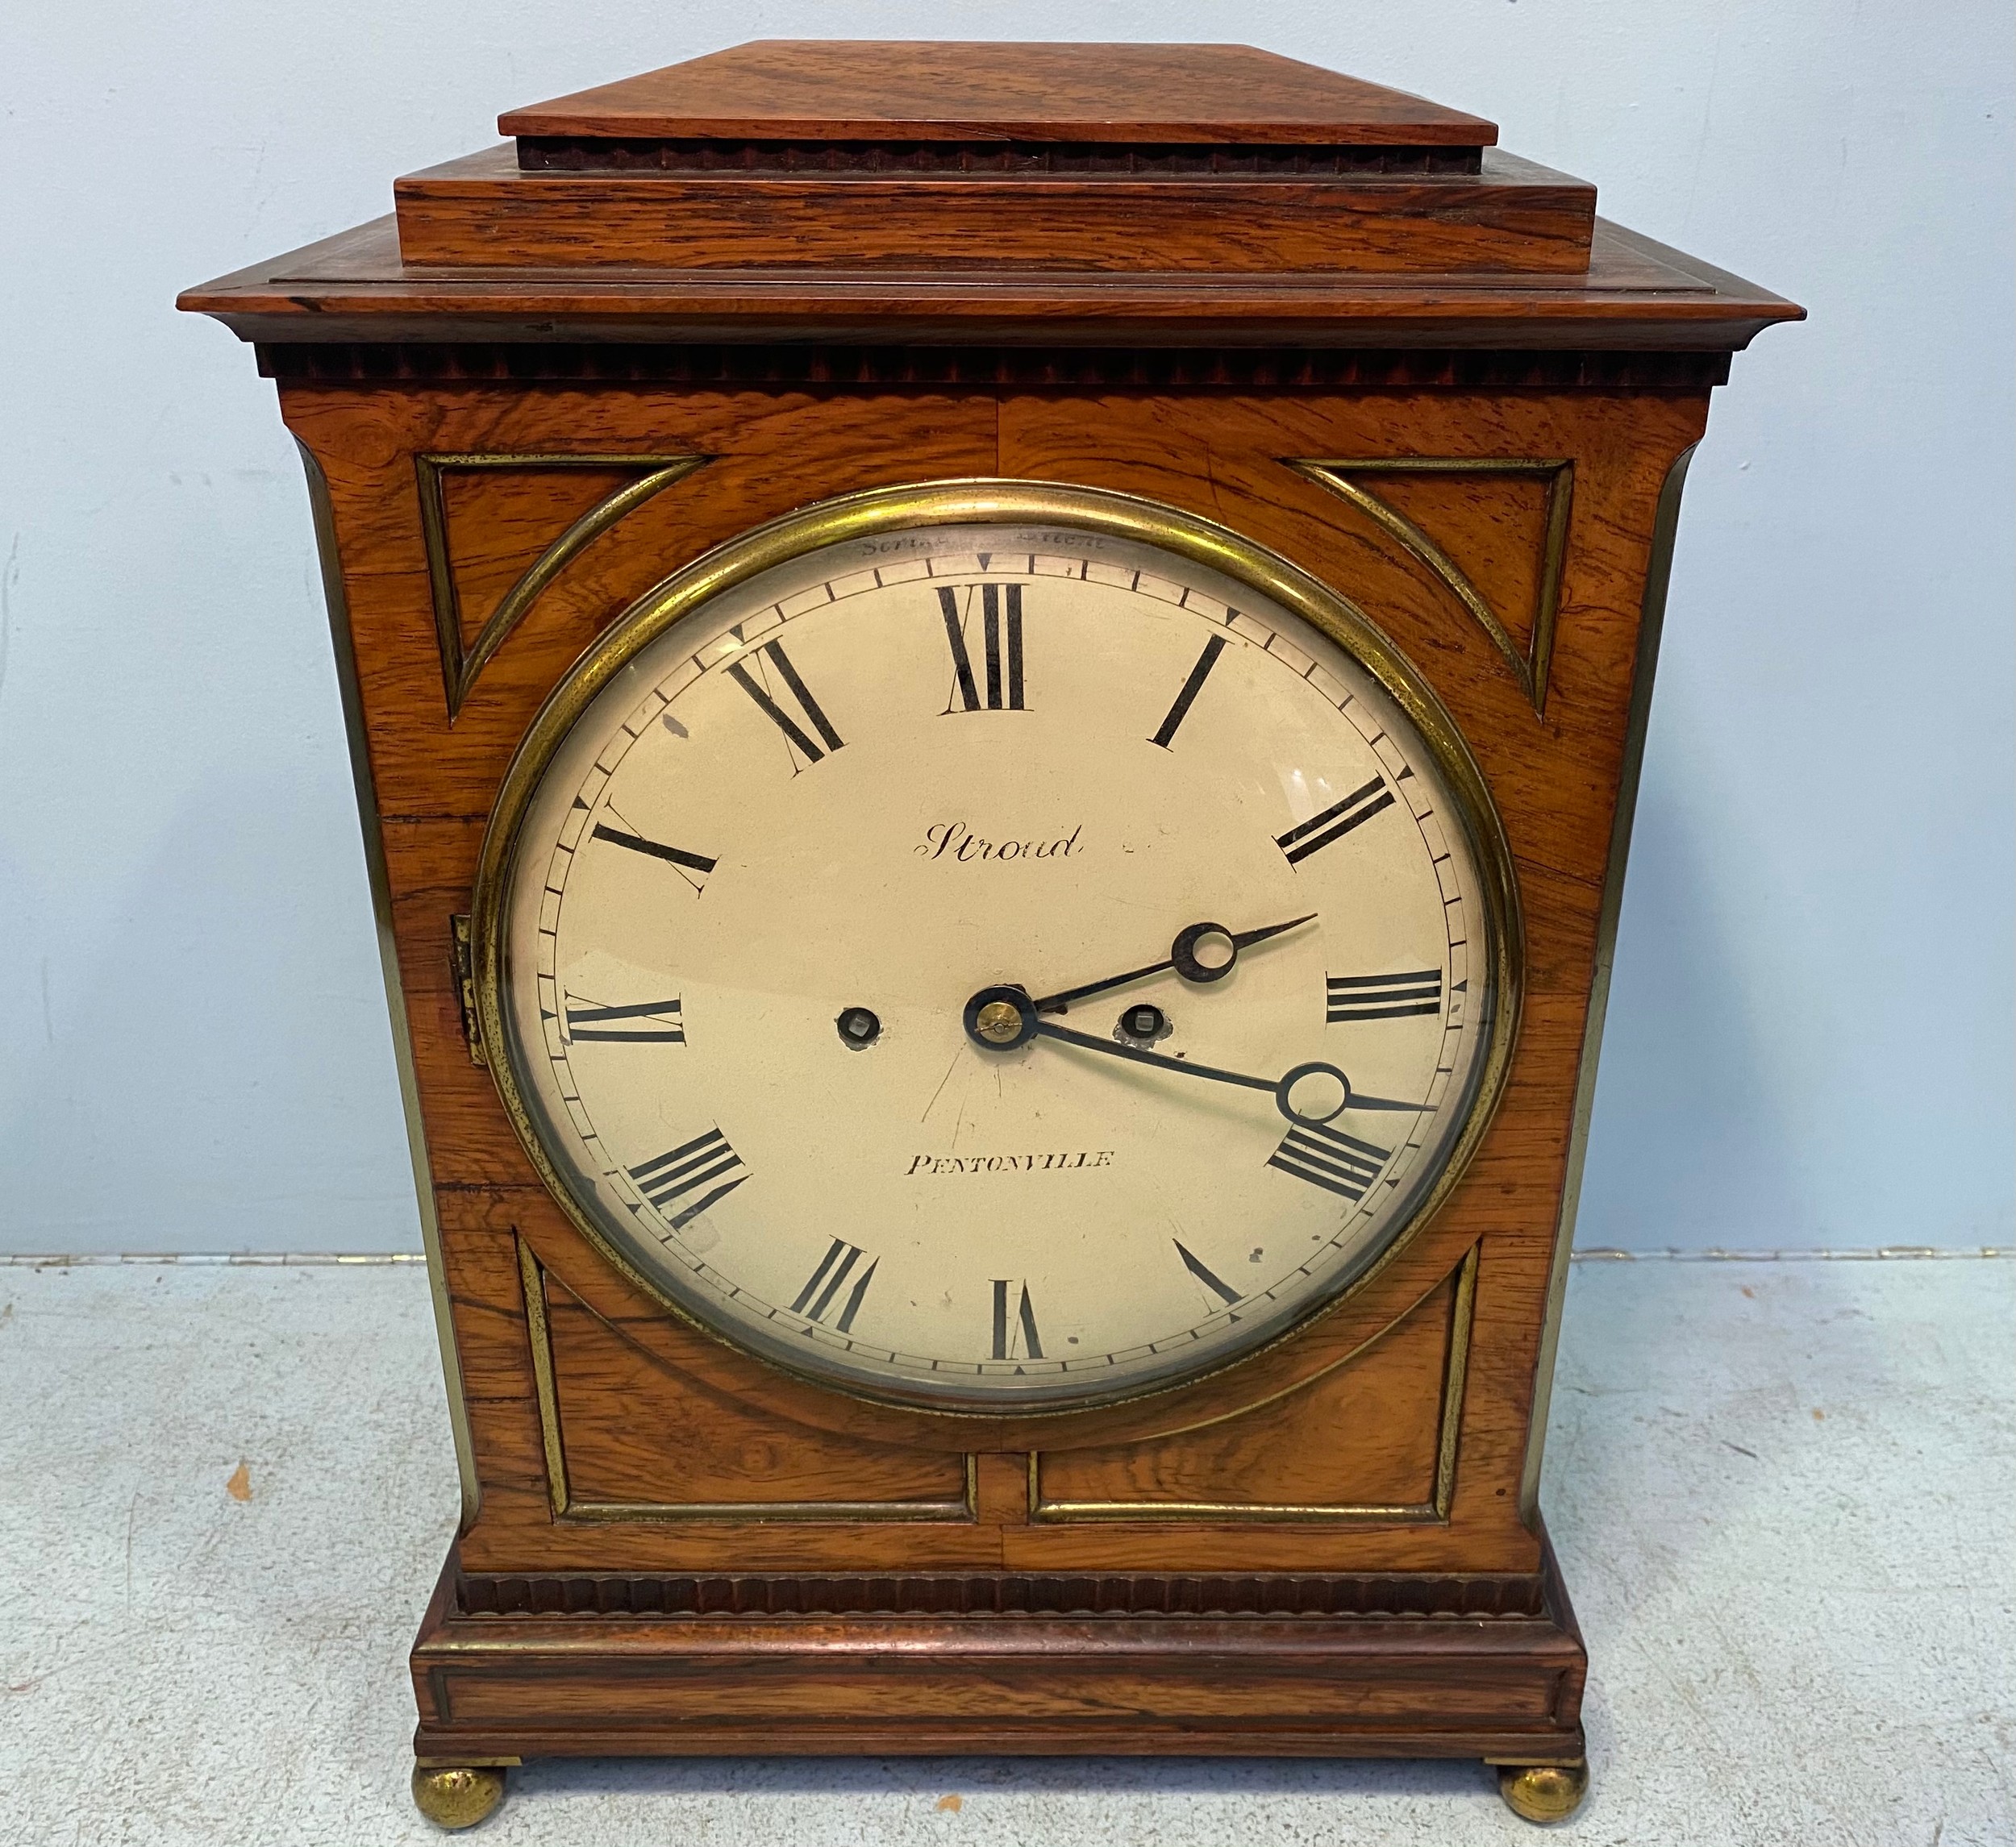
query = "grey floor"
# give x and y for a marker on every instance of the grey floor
(1785, 1495)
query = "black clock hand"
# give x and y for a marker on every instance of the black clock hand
(1280, 1087)
(1182, 958)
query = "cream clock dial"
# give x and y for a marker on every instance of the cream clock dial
(996, 946)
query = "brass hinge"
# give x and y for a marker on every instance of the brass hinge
(465, 983)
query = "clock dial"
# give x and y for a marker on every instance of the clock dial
(1004, 965)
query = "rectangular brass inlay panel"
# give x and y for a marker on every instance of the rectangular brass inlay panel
(1431, 1512)
(568, 1506)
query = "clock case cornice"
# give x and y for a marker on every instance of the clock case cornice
(794, 194)
(354, 289)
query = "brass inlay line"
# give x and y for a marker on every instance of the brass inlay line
(1532, 666)
(559, 1491)
(459, 667)
(1434, 1511)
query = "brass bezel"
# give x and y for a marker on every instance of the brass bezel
(873, 511)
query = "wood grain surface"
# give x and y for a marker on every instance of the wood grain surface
(1511, 218)
(814, 90)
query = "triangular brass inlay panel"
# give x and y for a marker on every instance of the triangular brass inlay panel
(460, 663)
(1530, 663)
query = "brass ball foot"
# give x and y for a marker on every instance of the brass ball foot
(1544, 1792)
(457, 1796)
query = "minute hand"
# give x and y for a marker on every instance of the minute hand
(1181, 957)
(1279, 1087)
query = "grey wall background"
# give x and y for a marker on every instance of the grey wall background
(1809, 1033)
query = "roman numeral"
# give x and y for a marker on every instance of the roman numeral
(1335, 821)
(687, 862)
(1199, 674)
(687, 1169)
(1384, 996)
(1002, 654)
(838, 1264)
(777, 714)
(1225, 1292)
(1019, 1328)
(1329, 1159)
(649, 1023)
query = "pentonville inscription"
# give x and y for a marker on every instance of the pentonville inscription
(1011, 1163)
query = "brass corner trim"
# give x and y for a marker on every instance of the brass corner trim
(350, 693)
(1434, 1512)
(566, 1507)
(1659, 571)
(460, 666)
(1531, 667)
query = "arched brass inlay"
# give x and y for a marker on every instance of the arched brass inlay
(459, 666)
(1432, 1511)
(1531, 667)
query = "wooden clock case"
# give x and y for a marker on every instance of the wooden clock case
(1328, 315)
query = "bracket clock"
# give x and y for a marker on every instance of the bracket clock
(997, 691)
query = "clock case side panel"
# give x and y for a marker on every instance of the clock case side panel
(1651, 623)
(357, 738)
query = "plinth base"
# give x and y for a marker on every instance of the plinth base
(599, 1665)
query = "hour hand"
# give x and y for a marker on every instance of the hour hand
(1184, 958)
